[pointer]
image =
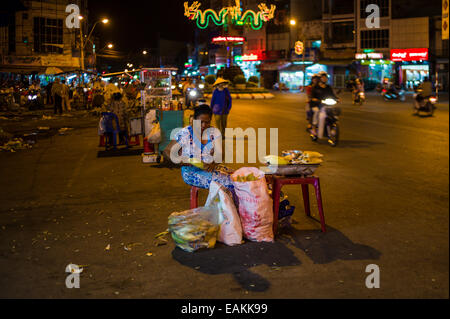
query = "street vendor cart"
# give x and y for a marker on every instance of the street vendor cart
(158, 106)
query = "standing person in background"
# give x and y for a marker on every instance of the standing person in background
(57, 93)
(48, 91)
(221, 105)
(65, 96)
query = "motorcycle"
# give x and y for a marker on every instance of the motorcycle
(34, 100)
(390, 94)
(193, 95)
(426, 105)
(328, 123)
(359, 98)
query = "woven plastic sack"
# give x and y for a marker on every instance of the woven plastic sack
(255, 205)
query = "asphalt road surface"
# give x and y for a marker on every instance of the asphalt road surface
(385, 190)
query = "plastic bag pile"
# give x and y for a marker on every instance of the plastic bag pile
(14, 145)
(194, 229)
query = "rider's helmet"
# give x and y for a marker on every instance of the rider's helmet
(323, 73)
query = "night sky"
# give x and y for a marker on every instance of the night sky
(134, 25)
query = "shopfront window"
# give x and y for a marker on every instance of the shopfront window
(292, 79)
(48, 35)
(382, 4)
(342, 32)
(413, 75)
(375, 39)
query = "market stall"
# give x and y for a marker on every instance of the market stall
(159, 107)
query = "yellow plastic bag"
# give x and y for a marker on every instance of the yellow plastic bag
(155, 134)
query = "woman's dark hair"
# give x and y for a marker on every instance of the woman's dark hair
(202, 109)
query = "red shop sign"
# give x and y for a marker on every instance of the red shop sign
(398, 55)
(228, 39)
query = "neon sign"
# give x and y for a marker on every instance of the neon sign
(254, 19)
(368, 56)
(228, 39)
(246, 58)
(299, 48)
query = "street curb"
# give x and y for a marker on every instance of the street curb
(248, 96)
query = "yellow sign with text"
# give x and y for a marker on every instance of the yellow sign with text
(445, 25)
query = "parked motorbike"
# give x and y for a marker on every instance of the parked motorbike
(390, 94)
(328, 123)
(425, 105)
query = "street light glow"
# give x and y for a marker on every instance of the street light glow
(144, 52)
(110, 45)
(293, 22)
(105, 21)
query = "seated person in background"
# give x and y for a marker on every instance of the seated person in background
(119, 107)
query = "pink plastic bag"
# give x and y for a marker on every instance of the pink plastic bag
(255, 205)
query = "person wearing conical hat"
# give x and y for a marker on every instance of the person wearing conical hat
(221, 104)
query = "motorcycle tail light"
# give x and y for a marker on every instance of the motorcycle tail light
(433, 99)
(384, 91)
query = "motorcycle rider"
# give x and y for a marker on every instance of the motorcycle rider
(186, 87)
(425, 90)
(320, 92)
(357, 88)
(309, 103)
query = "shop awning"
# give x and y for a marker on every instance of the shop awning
(274, 66)
(336, 62)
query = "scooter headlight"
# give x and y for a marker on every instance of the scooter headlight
(329, 102)
(201, 86)
(193, 93)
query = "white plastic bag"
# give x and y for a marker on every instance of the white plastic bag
(230, 232)
(101, 127)
(255, 205)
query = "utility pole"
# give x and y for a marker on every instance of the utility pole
(81, 48)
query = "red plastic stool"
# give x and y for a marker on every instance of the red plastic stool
(148, 148)
(135, 140)
(277, 184)
(102, 141)
(194, 197)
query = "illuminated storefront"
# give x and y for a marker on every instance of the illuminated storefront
(249, 64)
(374, 67)
(414, 65)
(292, 76)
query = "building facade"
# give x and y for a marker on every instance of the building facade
(35, 37)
